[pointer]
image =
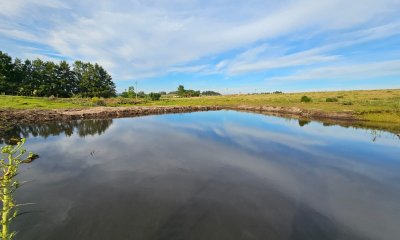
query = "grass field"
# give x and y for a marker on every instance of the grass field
(373, 105)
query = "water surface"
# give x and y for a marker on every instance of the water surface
(209, 175)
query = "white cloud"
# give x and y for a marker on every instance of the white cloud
(138, 39)
(18, 34)
(348, 71)
(264, 57)
(188, 69)
(17, 7)
(297, 59)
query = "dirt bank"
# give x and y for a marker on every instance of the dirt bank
(33, 115)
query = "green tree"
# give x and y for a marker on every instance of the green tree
(66, 80)
(38, 75)
(106, 85)
(141, 94)
(181, 91)
(130, 93)
(192, 93)
(39, 78)
(50, 86)
(210, 93)
(6, 67)
(26, 87)
(93, 80)
(154, 96)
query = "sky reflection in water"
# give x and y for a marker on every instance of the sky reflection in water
(209, 175)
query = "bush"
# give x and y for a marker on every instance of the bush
(141, 94)
(331, 100)
(51, 98)
(129, 94)
(210, 93)
(347, 103)
(305, 99)
(98, 101)
(154, 96)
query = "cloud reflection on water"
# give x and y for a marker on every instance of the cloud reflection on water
(213, 175)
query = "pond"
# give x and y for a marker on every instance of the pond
(209, 175)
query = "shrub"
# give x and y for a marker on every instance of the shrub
(98, 101)
(129, 94)
(51, 98)
(347, 103)
(210, 93)
(331, 99)
(305, 99)
(154, 96)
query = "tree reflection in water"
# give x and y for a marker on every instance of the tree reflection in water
(81, 127)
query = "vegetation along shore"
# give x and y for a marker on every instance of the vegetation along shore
(373, 108)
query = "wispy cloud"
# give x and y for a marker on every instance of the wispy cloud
(297, 59)
(144, 39)
(17, 8)
(350, 71)
(263, 57)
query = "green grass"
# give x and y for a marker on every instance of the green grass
(372, 105)
(19, 102)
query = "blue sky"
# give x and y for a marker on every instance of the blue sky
(226, 46)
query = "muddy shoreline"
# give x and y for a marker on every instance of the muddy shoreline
(37, 116)
(11, 117)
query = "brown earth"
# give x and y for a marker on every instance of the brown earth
(35, 115)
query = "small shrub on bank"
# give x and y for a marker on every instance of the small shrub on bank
(305, 99)
(51, 98)
(331, 99)
(98, 101)
(154, 96)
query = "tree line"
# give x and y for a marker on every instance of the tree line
(46, 78)
(130, 93)
(180, 92)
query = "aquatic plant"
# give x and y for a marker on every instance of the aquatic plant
(11, 159)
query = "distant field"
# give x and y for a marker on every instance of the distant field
(373, 105)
